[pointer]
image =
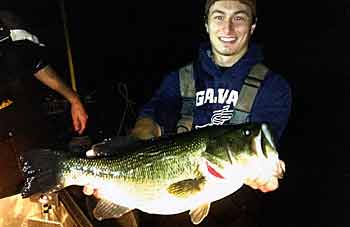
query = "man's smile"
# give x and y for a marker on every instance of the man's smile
(227, 39)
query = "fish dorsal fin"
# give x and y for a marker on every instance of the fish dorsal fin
(113, 147)
(106, 209)
(198, 214)
(186, 188)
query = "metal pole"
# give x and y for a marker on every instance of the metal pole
(69, 52)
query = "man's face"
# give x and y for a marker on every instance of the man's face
(230, 25)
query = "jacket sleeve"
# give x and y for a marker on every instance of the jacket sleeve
(273, 104)
(21, 52)
(27, 56)
(164, 106)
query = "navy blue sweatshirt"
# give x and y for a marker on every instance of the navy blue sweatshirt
(217, 92)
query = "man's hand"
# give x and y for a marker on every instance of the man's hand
(91, 190)
(267, 182)
(88, 188)
(146, 128)
(79, 117)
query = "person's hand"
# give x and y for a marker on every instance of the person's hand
(79, 117)
(89, 190)
(265, 181)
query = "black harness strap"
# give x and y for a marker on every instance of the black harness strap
(250, 87)
(248, 93)
(187, 89)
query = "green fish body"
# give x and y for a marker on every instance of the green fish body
(169, 175)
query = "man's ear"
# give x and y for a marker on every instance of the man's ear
(206, 27)
(253, 26)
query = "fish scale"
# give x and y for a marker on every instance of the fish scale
(158, 163)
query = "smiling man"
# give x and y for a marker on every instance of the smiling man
(225, 64)
(227, 84)
(228, 70)
(230, 25)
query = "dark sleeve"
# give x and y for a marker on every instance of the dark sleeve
(20, 55)
(164, 106)
(24, 57)
(273, 104)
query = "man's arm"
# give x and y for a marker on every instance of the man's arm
(50, 78)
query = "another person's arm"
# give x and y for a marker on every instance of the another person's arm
(50, 78)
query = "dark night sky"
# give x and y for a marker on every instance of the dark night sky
(136, 42)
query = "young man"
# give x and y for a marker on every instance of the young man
(22, 124)
(219, 74)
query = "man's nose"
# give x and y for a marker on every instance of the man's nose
(228, 26)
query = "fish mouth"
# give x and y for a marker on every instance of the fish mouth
(265, 147)
(264, 142)
(267, 142)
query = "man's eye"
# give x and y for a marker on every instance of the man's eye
(218, 17)
(239, 18)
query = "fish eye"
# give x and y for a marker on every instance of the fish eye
(246, 132)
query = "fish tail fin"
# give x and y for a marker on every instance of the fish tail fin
(40, 172)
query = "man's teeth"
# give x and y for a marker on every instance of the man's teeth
(226, 39)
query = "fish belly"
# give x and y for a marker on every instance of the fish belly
(155, 199)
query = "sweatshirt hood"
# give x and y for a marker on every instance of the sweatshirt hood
(253, 56)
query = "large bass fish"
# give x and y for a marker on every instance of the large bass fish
(168, 175)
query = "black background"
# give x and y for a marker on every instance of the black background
(137, 42)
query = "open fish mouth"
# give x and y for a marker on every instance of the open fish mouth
(266, 150)
(264, 143)
(267, 135)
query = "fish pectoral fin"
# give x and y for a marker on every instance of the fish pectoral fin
(198, 214)
(186, 188)
(106, 209)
